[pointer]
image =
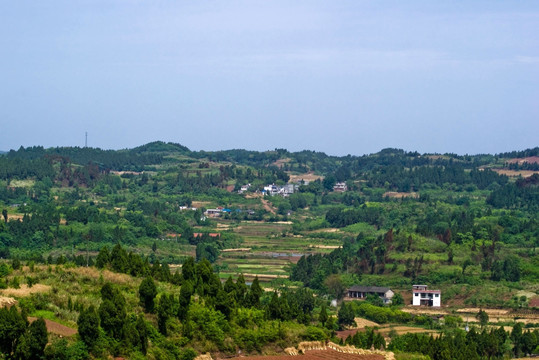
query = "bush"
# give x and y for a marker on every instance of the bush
(313, 333)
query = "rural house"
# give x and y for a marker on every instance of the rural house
(361, 292)
(340, 187)
(423, 297)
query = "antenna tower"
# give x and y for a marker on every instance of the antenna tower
(86, 139)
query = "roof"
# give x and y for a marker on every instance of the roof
(428, 291)
(369, 289)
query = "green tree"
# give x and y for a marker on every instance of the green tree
(88, 326)
(38, 338)
(165, 310)
(323, 317)
(186, 291)
(103, 258)
(112, 311)
(335, 286)
(253, 296)
(147, 292)
(397, 300)
(345, 316)
(483, 318)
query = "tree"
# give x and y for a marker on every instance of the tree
(397, 300)
(4, 214)
(112, 312)
(103, 258)
(164, 312)
(88, 325)
(345, 316)
(516, 338)
(255, 292)
(31, 344)
(143, 334)
(323, 317)
(483, 318)
(186, 291)
(147, 292)
(335, 286)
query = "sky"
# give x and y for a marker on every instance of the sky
(342, 77)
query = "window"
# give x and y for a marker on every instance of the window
(437, 295)
(416, 294)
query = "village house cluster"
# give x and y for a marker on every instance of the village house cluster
(421, 296)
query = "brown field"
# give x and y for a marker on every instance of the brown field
(400, 195)
(529, 160)
(56, 328)
(279, 163)
(406, 330)
(362, 323)
(236, 250)
(425, 310)
(325, 246)
(490, 312)
(24, 290)
(110, 276)
(310, 176)
(514, 173)
(199, 204)
(14, 217)
(265, 276)
(316, 355)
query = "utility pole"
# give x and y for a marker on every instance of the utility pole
(86, 139)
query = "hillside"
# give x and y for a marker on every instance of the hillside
(75, 219)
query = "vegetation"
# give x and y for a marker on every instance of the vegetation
(126, 254)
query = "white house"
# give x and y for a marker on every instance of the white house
(340, 187)
(422, 296)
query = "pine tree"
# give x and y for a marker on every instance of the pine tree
(323, 317)
(147, 292)
(88, 326)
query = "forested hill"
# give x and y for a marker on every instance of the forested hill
(157, 152)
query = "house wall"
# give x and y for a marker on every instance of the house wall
(426, 298)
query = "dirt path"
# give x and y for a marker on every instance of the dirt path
(56, 328)
(267, 206)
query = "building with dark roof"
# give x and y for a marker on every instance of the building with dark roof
(357, 292)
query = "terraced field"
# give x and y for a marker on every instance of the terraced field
(268, 249)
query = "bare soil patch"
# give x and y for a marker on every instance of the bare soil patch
(316, 355)
(56, 328)
(24, 290)
(267, 206)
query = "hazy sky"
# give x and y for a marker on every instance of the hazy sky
(343, 77)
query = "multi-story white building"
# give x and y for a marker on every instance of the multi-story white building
(422, 296)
